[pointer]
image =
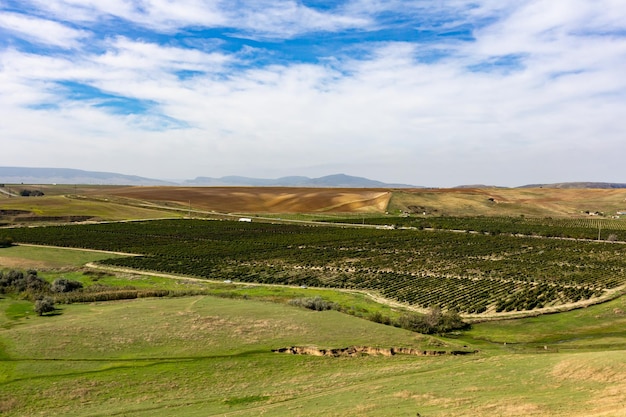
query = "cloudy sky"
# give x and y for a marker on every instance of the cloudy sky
(426, 92)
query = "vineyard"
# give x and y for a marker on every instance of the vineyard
(575, 228)
(467, 272)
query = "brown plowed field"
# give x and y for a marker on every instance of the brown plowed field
(264, 199)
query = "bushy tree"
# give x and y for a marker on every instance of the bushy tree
(65, 285)
(433, 322)
(31, 193)
(30, 284)
(315, 303)
(44, 305)
(378, 317)
(35, 284)
(12, 281)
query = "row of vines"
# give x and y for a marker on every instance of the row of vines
(575, 228)
(468, 272)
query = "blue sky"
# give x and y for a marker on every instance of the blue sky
(426, 92)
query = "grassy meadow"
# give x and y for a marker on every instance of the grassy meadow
(212, 355)
(55, 208)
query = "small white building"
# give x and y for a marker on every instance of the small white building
(245, 219)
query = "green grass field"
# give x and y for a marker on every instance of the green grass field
(205, 355)
(62, 206)
(36, 257)
(209, 356)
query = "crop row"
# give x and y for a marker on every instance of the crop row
(576, 228)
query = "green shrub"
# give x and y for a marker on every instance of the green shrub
(433, 322)
(378, 317)
(314, 303)
(65, 285)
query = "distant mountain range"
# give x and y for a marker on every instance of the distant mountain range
(18, 175)
(337, 180)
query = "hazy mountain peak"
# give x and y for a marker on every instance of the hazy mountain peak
(17, 175)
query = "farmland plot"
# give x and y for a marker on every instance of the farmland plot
(471, 273)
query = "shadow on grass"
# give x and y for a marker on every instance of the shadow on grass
(55, 312)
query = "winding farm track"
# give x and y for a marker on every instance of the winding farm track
(10, 194)
(80, 249)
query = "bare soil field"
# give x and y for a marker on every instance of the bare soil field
(264, 199)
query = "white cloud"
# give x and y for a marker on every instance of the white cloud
(275, 18)
(157, 14)
(558, 115)
(83, 10)
(287, 18)
(42, 31)
(123, 53)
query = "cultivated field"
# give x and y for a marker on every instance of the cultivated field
(472, 273)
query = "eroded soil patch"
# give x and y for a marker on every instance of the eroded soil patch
(367, 350)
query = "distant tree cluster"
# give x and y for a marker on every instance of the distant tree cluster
(30, 286)
(17, 282)
(5, 242)
(435, 321)
(31, 193)
(65, 285)
(314, 303)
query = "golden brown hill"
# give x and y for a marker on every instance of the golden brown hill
(510, 201)
(264, 199)
(540, 202)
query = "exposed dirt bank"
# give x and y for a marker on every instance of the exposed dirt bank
(366, 350)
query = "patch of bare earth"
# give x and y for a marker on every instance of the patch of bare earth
(21, 263)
